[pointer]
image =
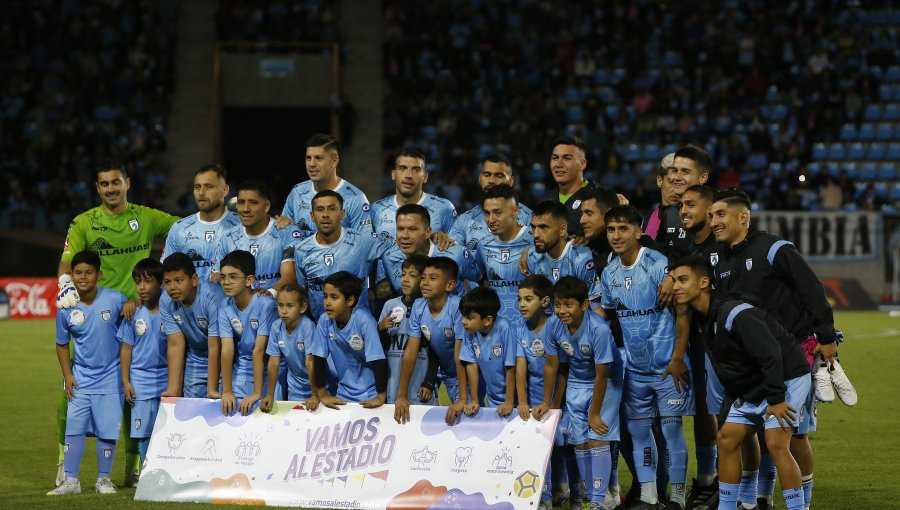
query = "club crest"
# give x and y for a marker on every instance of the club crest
(301, 346)
(448, 332)
(576, 204)
(497, 350)
(627, 283)
(254, 249)
(477, 349)
(133, 223)
(585, 349)
(555, 273)
(749, 264)
(329, 259)
(209, 235)
(202, 322)
(504, 255)
(426, 332)
(137, 424)
(105, 315)
(236, 325)
(254, 323)
(713, 259)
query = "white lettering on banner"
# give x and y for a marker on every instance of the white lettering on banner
(825, 236)
(28, 299)
(347, 458)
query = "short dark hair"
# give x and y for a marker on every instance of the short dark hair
(148, 267)
(698, 264)
(300, 290)
(540, 284)
(216, 168)
(504, 191)
(179, 261)
(86, 257)
(703, 190)
(256, 185)
(109, 165)
(411, 152)
(569, 140)
(498, 158)
(570, 287)
(445, 265)
(606, 198)
(324, 140)
(698, 155)
(733, 196)
(553, 208)
(347, 284)
(325, 193)
(415, 261)
(481, 300)
(624, 213)
(415, 209)
(241, 260)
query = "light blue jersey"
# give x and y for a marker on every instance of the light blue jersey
(440, 332)
(149, 373)
(577, 261)
(397, 337)
(493, 354)
(592, 344)
(291, 348)
(384, 214)
(648, 329)
(298, 207)
(471, 230)
(499, 262)
(92, 329)
(354, 251)
(531, 345)
(243, 326)
(197, 323)
(350, 348)
(199, 239)
(391, 266)
(269, 249)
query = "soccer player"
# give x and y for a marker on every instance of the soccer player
(199, 234)
(335, 248)
(499, 256)
(594, 386)
(92, 381)
(245, 322)
(567, 164)
(121, 233)
(488, 349)
(409, 176)
(142, 354)
(348, 335)
(271, 247)
(593, 207)
(647, 330)
(435, 319)
(773, 272)
(393, 325)
(322, 158)
(189, 310)
(471, 228)
(287, 339)
(554, 254)
(761, 364)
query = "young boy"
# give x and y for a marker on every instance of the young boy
(289, 336)
(435, 318)
(594, 385)
(189, 311)
(142, 354)
(488, 350)
(245, 319)
(761, 364)
(92, 380)
(392, 325)
(348, 335)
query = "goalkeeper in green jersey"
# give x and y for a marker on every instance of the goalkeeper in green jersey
(122, 234)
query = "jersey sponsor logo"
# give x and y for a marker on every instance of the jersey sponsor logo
(426, 332)
(99, 228)
(133, 223)
(675, 401)
(615, 283)
(301, 345)
(555, 273)
(627, 283)
(105, 315)
(713, 259)
(356, 342)
(281, 344)
(589, 265)
(575, 204)
(454, 213)
(448, 332)
(76, 318)
(254, 323)
(502, 283)
(749, 264)
(140, 327)
(623, 314)
(567, 347)
(237, 326)
(296, 234)
(725, 274)
(177, 318)
(537, 347)
(504, 255)
(103, 248)
(670, 230)
(209, 235)
(497, 350)
(585, 349)
(329, 259)
(254, 249)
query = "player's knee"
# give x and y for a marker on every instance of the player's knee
(729, 438)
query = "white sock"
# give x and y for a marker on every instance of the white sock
(648, 492)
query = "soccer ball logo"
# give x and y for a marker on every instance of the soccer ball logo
(526, 484)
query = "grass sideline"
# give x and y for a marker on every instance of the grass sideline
(856, 451)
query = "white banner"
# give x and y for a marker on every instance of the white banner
(824, 237)
(349, 458)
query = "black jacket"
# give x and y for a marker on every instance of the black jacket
(752, 354)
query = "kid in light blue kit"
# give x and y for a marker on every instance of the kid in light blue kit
(142, 353)
(245, 320)
(92, 380)
(288, 340)
(348, 335)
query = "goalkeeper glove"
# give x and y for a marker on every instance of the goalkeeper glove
(68, 295)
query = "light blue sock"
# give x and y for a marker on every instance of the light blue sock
(807, 489)
(583, 458)
(728, 495)
(143, 445)
(793, 498)
(106, 452)
(706, 464)
(614, 467)
(747, 493)
(767, 476)
(73, 451)
(676, 447)
(601, 465)
(644, 449)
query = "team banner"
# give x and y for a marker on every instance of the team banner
(348, 458)
(826, 236)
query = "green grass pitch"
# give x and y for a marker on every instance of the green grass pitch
(857, 449)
